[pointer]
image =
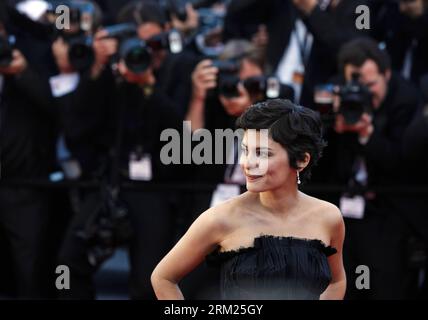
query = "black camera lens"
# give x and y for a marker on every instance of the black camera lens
(136, 54)
(228, 86)
(255, 85)
(353, 110)
(81, 54)
(355, 99)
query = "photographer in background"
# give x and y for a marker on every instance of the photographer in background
(172, 71)
(221, 92)
(26, 152)
(127, 112)
(369, 154)
(79, 146)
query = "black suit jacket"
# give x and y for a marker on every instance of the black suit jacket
(101, 112)
(27, 127)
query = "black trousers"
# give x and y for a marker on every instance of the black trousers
(24, 216)
(152, 216)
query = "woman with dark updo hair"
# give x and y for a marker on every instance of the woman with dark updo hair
(272, 242)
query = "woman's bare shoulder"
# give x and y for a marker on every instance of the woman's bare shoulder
(328, 217)
(326, 211)
(227, 214)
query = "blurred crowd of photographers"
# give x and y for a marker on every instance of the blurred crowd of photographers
(87, 89)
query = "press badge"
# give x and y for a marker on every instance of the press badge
(352, 208)
(64, 84)
(140, 167)
(224, 192)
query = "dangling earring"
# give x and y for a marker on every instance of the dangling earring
(299, 182)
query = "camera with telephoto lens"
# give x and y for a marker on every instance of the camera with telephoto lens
(108, 227)
(259, 87)
(7, 45)
(135, 52)
(355, 99)
(80, 52)
(265, 87)
(78, 35)
(227, 76)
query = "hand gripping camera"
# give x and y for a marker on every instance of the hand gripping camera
(355, 99)
(135, 52)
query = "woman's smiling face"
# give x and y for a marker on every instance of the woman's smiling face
(265, 162)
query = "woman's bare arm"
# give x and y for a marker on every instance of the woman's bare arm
(202, 238)
(337, 288)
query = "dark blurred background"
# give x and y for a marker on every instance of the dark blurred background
(83, 106)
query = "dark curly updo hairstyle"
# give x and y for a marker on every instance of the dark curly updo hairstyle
(297, 129)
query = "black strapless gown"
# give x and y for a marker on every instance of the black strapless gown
(275, 268)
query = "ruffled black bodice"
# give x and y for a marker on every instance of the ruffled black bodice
(284, 268)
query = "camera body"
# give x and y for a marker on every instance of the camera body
(259, 87)
(266, 87)
(355, 99)
(78, 35)
(136, 53)
(7, 45)
(227, 77)
(80, 52)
